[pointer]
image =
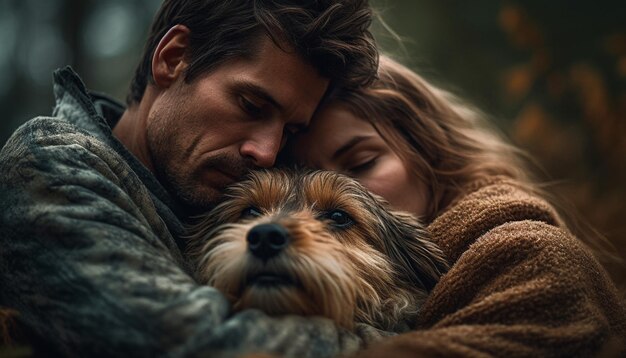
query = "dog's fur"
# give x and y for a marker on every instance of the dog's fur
(376, 269)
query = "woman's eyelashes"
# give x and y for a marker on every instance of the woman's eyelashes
(362, 166)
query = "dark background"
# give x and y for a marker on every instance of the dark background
(552, 74)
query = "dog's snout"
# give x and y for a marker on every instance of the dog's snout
(267, 240)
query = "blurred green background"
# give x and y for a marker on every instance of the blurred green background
(552, 74)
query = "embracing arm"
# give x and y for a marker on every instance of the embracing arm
(82, 259)
(516, 288)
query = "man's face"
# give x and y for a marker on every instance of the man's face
(207, 134)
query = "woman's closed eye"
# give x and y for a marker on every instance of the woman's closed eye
(362, 166)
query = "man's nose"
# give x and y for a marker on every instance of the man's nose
(262, 148)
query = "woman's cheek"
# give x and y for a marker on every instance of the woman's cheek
(377, 185)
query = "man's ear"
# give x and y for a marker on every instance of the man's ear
(168, 60)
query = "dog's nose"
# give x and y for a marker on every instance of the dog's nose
(267, 240)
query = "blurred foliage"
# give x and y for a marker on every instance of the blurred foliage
(551, 74)
(572, 113)
(101, 40)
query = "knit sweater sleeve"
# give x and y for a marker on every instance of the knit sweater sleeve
(90, 267)
(519, 286)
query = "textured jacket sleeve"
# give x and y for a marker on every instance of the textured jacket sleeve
(83, 260)
(519, 286)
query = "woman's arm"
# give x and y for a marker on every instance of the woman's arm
(517, 287)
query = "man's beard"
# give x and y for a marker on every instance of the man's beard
(173, 170)
(187, 186)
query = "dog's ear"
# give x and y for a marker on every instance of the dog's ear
(408, 244)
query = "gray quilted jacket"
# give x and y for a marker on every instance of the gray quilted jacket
(89, 251)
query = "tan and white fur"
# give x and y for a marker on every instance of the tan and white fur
(315, 243)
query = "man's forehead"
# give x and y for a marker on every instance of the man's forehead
(292, 83)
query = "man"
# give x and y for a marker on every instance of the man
(93, 199)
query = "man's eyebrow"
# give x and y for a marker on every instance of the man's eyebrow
(349, 145)
(259, 92)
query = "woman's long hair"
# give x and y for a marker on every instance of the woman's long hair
(448, 144)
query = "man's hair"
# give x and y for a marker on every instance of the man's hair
(333, 36)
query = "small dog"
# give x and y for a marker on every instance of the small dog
(315, 243)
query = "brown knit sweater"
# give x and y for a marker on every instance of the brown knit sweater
(519, 285)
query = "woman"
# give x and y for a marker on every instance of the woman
(520, 283)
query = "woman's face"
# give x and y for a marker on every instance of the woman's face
(338, 140)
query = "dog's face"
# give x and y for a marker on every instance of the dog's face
(315, 243)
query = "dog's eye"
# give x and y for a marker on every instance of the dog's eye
(250, 212)
(339, 218)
